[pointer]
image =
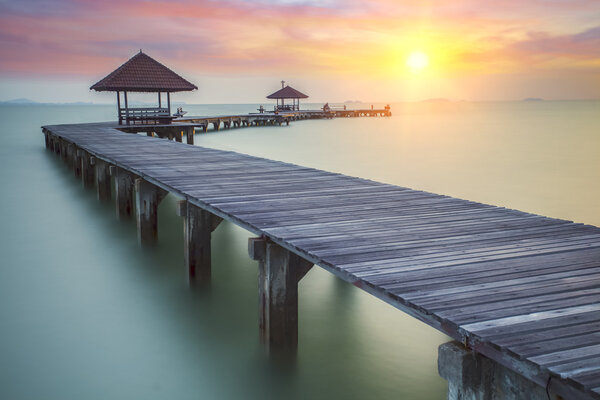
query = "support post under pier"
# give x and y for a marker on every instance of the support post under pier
(71, 155)
(279, 273)
(77, 162)
(103, 183)
(124, 182)
(189, 133)
(63, 150)
(87, 169)
(198, 224)
(472, 376)
(147, 199)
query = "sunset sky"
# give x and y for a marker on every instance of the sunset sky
(237, 51)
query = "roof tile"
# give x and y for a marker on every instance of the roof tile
(142, 73)
(287, 92)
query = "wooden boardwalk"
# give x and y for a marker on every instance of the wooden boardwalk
(520, 288)
(185, 126)
(271, 118)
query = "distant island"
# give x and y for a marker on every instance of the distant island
(18, 101)
(436, 100)
(533, 99)
(28, 102)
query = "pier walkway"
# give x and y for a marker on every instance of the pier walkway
(280, 117)
(185, 126)
(519, 288)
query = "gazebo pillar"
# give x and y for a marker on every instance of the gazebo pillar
(119, 107)
(126, 109)
(169, 102)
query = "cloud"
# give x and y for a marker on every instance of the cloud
(333, 37)
(577, 50)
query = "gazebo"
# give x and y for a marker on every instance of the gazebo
(287, 92)
(142, 73)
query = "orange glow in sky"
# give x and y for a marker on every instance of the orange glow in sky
(378, 50)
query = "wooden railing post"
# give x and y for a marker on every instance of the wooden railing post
(147, 198)
(279, 273)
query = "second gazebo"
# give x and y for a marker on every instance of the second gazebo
(287, 92)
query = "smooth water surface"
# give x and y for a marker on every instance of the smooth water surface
(87, 314)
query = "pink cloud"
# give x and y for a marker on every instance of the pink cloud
(85, 37)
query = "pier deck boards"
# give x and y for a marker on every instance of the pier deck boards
(519, 288)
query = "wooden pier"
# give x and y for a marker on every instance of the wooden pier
(185, 127)
(279, 118)
(521, 289)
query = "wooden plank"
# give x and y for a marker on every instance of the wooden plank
(477, 326)
(558, 344)
(574, 368)
(559, 357)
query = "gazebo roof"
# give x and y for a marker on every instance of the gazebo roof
(287, 92)
(142, 73)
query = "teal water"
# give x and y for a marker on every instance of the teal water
(87, 314)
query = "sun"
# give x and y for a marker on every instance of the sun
(417, 61)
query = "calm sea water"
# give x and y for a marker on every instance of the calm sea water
(86, 314)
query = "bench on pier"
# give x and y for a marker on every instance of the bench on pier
(147, 115)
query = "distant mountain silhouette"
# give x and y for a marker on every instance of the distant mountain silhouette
(25, 102)
(19, 101)
(437, 100)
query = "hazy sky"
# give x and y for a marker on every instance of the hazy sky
(237, 51)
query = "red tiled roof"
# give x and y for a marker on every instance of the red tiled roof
(287, 93)
(142, 73)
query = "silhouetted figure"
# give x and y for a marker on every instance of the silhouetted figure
(180, 112)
